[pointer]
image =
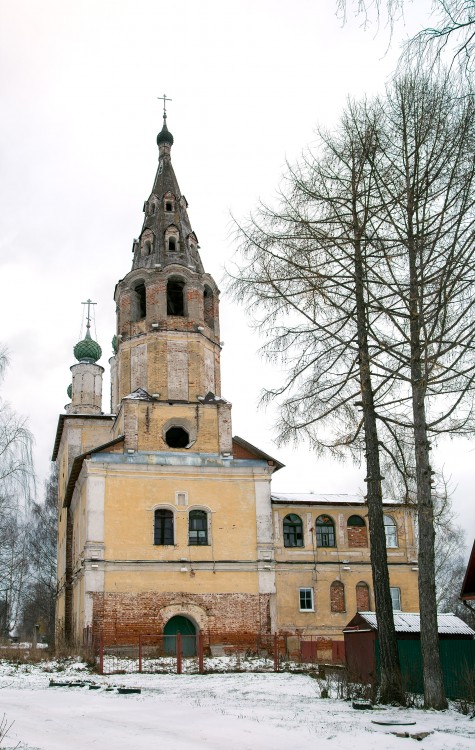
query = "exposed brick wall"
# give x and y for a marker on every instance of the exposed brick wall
(337, 597)
(362, 597)
(225, 618)
(357, 536)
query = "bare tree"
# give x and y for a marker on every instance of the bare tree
(450, 38)
(38, 605)
(425, 178)
(375, 256)
(306, 277)
(16, 491)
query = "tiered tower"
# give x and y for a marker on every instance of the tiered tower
(167, 343)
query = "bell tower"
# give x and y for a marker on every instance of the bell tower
(166, 366)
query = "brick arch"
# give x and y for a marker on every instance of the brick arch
(195, 613)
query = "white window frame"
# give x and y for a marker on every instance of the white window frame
(312, 598)
(390, 531)
(396, 598)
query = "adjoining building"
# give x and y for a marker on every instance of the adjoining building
(166, 521)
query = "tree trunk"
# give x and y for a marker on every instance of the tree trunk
(391, 681)
(434, 693)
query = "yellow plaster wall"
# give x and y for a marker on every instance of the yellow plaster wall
(202, 582)
(130, 501)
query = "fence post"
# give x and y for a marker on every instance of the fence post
(276, 652)
(178, 653)
(201, 667)
(140, 654)
(101, 655)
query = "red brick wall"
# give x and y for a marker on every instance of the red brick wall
(337, 597)
(230, 618)
(357, 536)
(362, 597)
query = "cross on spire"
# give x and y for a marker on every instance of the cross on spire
(88, 303)
(165, 100)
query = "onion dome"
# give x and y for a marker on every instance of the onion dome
(87, 350)
(70, 390)
(164, 135)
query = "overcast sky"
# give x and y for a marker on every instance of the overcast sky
(250, 81)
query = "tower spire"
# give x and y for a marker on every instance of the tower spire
(167, 237)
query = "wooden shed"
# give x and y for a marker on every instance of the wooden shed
(456, 643)
(468, 587)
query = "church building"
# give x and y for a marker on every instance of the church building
(167, 523)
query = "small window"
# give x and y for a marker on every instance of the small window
(356, 521)
(197, 528)
(337, 597)
(293, 531)
(168, 206)
(175, 297)
(325, 532)
(163, 527)
(396, 598)
(141, 298)
(390, 530)
(208, 304)
(306, 600)
(177, 437)
(171, 245)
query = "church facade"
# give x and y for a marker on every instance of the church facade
(167, 521)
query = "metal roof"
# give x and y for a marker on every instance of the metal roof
(321, 498)
(410, 622)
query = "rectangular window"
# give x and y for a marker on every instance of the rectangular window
(198, 528)
(163, 527)
(306, 600)
(396, 598)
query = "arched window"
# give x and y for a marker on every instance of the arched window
(172, 245)
(390, 529)
(337, 597)
(325, 531)
(293, 531)
(197, 528)
(208, 304)
(362, 597)
(163, 527)
(175, 297)
(357, 534)
(140, 301)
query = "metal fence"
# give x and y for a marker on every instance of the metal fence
(153, 653)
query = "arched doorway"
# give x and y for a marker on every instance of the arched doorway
(184, 626)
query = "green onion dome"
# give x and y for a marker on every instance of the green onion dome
(164, 135)
(70, 390)
(87, 350)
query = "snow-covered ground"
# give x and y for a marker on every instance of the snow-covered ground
(217, 711)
